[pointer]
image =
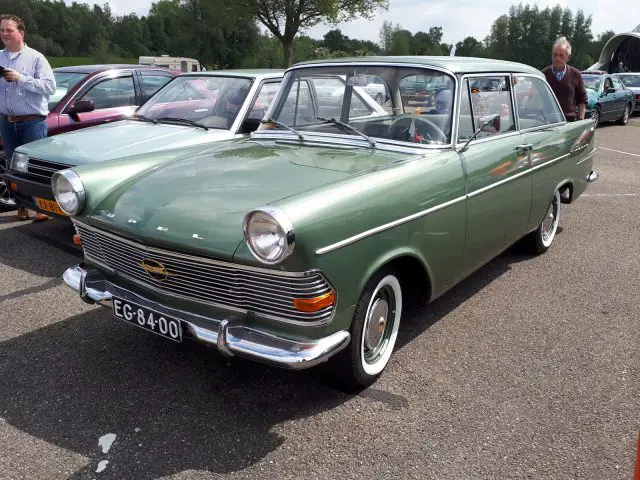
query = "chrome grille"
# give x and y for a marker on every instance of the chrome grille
(41, 171)
(209, 281)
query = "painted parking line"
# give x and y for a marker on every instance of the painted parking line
(620, 151)
(608, 195)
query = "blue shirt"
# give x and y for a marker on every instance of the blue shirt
(559, 75)
(30, 94)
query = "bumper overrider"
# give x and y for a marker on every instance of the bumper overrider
(229, 335)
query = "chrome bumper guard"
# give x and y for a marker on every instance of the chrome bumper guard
(592, 177)
(229, 335)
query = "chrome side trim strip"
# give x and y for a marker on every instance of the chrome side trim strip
(387, 226)
(497, 184)
(588, 156)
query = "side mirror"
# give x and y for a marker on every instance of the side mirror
(609, 90)
(489, 123)
(81, 106)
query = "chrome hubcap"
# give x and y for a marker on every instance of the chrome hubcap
(376, 323)
(626, 113)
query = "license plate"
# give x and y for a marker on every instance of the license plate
(48, 205)
(148, 319)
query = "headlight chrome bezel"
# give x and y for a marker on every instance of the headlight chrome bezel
(14, 162)
(279, 219)
(77, 188)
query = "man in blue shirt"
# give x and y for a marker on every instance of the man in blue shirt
(26, 84)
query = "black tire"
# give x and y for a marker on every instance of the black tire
(361, 363)
(625, 115)
(7, 202)
(595, 115)
(540, 240)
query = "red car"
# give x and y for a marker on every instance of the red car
(89, 95)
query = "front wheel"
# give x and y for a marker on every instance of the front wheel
(541, 239)
(373, 333)
(595, 115)
(6, 199)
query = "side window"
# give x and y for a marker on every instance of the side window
(298, 107)
(263, 100)
(115, 92)
(152, 83)
(491, 96)
(536, 104)
(617, 84)
(607, 83)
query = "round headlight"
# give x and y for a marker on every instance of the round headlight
(269, 234)
(69, 191)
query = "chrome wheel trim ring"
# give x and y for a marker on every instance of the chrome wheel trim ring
(550, 222)
(386, 298)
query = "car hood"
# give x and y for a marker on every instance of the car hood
(120, 139)
(197, 203)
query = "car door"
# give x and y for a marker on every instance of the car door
(113, 97)
(621, 98)
(607, 100)
(496, 166)
(542, 125)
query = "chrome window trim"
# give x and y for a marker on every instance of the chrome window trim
(379, 140)
(400, 221)
(98, 78)
(543, 127)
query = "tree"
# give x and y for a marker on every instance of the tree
(285, 18)
(470, 47)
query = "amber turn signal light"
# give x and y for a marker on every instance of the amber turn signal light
(315, 303)
(77, 240)
(13, 186)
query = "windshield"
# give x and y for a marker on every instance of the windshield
(380, 102)
(630, 80)
(591, 82)
(65, 81)
(207, 100)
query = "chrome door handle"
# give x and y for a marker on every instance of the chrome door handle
(524, 148)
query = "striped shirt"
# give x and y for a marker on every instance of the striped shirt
(30, 94)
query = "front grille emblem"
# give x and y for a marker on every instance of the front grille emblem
(155, 269)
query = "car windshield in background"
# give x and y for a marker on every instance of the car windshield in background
(65, 81)
(630, 80)
(382, 102)
(206, 100)
(591, 82)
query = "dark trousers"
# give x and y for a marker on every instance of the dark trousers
(15, 134)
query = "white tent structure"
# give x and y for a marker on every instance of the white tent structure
(625, 48)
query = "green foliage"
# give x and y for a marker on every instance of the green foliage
(56, 62)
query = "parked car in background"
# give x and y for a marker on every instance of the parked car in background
(89, 95)
(632, 82)
(421, 89)
(311, 240)
(608, 99)
(192, 110)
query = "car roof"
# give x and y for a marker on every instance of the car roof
(452, 64)
(249, 73)
(103, 68)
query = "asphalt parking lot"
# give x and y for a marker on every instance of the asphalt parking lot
(528, 369)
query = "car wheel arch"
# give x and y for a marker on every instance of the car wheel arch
(408, 265)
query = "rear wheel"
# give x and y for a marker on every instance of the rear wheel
(541, 239)
(625, 115)
(373, 333)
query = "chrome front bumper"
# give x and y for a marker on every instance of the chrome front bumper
(228, 335)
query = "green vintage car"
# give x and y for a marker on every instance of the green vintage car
(310, 240)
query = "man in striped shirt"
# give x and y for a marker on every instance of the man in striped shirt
(26, 84)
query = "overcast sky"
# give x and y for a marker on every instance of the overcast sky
(458, 19)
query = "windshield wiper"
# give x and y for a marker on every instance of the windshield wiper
(346, 126)
(282, 125)
(137, 116)
(182, 120)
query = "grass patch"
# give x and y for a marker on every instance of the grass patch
(73, 61)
